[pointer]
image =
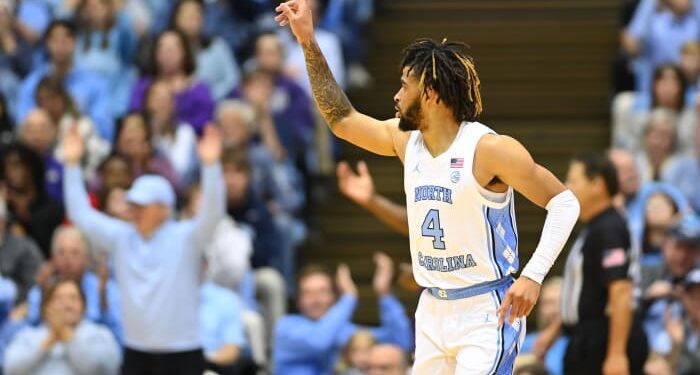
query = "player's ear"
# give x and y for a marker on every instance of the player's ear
(429, 96)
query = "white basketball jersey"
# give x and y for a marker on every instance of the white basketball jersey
(461, 234)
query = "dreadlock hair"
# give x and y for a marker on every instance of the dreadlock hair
(446, 69)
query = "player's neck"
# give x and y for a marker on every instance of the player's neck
(438, 135)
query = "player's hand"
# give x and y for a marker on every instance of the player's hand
(519, 300)
(358, 187)
(209, 146)
(616, 364)
(344, 280)
(297, 14)
(383, 275)
(73, 145)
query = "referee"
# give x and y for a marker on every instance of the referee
(596, 310)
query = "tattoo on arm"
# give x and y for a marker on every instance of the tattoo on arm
(329, 97)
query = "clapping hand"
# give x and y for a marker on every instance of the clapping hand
(344, 280)
(383, 275)
(59, 329)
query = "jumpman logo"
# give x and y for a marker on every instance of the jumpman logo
(416, 169)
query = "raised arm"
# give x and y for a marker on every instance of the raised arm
(502, 158)
(97, 226)
(360, 188)
(395, 325)
(213, 192)
(303, 338)
(379, 137)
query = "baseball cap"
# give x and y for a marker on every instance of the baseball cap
(686, 231)
(150, 189)
(692, 278)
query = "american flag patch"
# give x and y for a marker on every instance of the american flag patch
(457, 163)
(614, 258)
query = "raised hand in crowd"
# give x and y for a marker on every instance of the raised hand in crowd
(8, 44)
(658, 289)
(357, 186)
(383, 275)
(360, 188)
(73, 145)
(45, 274)
(344, 281)
(210, 145)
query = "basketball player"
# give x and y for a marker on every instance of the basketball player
(459, 178)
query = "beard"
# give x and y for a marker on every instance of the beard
(410, 120)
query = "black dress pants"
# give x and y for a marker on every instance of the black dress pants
(588, 346)
(175, 363)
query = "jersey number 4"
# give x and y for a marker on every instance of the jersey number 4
(431, 228)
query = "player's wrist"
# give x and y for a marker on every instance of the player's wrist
(530, 278)
(530, 274)
(307, 41)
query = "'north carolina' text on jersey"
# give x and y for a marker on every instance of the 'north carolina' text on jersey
(460, 233)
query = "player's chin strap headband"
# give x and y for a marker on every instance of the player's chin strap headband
(562, 214)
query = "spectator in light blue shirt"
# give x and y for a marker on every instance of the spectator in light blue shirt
(222, 327)
(656, 34)
(70, 259)
(32, 18)
(88, 90)
(157, 260)
(66, 344)
(685, 175)
(106, 46)
(309, 343)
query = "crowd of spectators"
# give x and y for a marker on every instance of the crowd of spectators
(655, 152)
(655, 148)
(158, 160)
(158, 164)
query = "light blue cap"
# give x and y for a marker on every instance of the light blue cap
(693, 278)
(687, 231)
(150, 189)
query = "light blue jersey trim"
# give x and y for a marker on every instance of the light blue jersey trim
(503, 237)
(499, 342)
(489, 244)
